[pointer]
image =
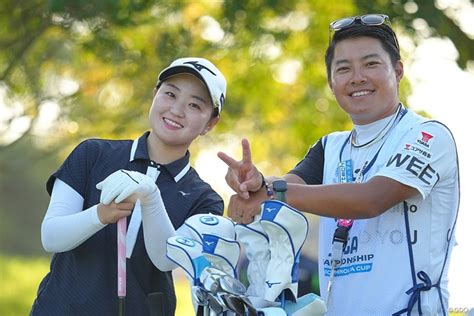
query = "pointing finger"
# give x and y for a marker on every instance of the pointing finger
(246, 155)
(231, 162)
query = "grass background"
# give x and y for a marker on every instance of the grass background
(20, 277)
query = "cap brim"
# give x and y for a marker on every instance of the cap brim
(170, 72)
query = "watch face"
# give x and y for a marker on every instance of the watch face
(279, 186)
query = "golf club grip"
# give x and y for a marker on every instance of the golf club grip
(121, 258)
(155, 304)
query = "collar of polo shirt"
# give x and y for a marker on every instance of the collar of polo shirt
(177, 168)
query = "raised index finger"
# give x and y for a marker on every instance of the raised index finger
(246, 155)
(231, 162)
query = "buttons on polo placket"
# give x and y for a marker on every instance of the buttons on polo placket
(153, 171)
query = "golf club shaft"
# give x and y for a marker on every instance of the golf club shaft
(121, 306)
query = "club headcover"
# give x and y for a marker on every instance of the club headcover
(257, 250)
(271, 311)
(286, 229)
(260, 302)
(187, 253)
(222, 253)
(307, 305)
(197, 225)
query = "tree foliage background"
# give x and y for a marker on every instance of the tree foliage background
(71, 70)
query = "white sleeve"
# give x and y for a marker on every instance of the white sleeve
(66, 225)
(426, 155)
(157, 228)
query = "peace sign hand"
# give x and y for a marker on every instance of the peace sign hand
(242, 176)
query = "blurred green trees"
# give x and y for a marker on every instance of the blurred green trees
(71, 70)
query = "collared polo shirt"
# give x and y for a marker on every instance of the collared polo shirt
(83, 281)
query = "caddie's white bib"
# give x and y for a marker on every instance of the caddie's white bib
(406, 247)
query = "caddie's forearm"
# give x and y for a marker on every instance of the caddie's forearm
(342, 200)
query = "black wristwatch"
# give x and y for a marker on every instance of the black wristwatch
(280, 187)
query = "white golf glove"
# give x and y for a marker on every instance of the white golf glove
(124, 183)
(197, 225)
(286, 229)
(222, 253)
(257, 250)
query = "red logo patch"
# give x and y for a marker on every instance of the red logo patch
(426, 137)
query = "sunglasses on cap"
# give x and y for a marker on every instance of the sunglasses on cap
(368, 20)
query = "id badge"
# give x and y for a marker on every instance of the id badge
(344, 172)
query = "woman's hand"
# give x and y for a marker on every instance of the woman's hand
(242, 176)
(111, 213)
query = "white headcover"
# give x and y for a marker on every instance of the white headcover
(257, 250)
(272, 311)
(222, 253)
(307, 305)
(197, 225)
(286, 229)
(187, 253)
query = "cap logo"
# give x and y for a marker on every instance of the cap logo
(185, 241)
(222, 98)
(199, 67)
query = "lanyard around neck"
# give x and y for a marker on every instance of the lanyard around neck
(369, 165)
(341, 234)
(347, 223)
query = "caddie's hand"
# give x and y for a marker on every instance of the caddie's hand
(123, 184)
(243, 211)
(111, 213)
(242, 176)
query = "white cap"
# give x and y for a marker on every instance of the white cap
(205, 71)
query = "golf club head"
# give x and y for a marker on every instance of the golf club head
(234, 303)
(199, 295)
(214, 280)
(238, 304)
(208, 300)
